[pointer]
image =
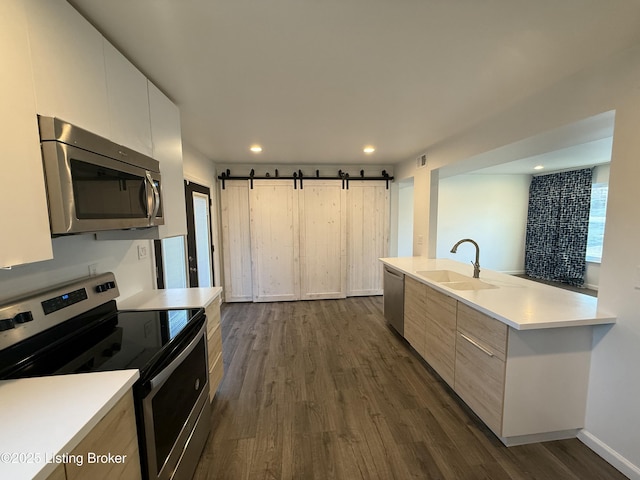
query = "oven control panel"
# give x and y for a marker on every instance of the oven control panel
(61, 301)
(30, 315)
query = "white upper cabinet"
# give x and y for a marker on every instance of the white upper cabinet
(166, 136)
(128, 99)
(25, 236)
(167, 149)
(68, 65)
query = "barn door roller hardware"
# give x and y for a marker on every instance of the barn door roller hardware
(299, 176)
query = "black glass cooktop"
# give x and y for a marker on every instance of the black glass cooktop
(101, 341)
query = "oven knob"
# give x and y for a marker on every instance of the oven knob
(23, 317)
(6, 324)
(111, 285)
(102, 288)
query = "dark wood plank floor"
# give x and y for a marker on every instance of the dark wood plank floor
(325, 390)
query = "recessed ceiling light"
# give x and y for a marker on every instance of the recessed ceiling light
(538, 167)
(368, 149)
(255, 148)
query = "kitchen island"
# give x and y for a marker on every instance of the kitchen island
(516, 351)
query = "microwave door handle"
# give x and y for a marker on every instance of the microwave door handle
(156, 201)
(153, 198)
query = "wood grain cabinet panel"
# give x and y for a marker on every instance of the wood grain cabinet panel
(479, 380)
(214, 347)
(440, 333)
(488, 331)
(481, 347)
(58, 473)
(415, 319)
(115, 434)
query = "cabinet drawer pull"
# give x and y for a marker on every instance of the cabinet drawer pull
(476, 344)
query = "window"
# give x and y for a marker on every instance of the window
(171, 262)
(599, 192)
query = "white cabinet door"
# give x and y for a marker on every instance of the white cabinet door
(25, 233)
(323, 239)
(128, 102)
(167, 149)
(68, 65)
(274, 241)
(236, 242)
(367, 236)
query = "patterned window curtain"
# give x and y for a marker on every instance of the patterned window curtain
(557, 226)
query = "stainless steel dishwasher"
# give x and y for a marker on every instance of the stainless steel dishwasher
(394, 298)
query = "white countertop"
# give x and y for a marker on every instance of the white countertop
(170, 298)
(520, 303)
(45, 416)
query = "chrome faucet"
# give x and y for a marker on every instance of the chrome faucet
(476, 265)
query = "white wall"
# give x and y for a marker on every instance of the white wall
(405, 218)
(490, 209)
(613, 418)
(72, 256)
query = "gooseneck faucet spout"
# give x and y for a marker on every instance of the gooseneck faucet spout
(476, 264)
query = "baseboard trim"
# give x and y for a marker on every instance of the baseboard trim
(610, 455)
(538, 437)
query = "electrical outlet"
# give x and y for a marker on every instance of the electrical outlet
(93, 269)
(420, 239)
(142, 252)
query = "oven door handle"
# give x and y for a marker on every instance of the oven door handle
(159, 379)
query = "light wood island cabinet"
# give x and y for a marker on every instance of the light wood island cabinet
(480, 364)
(525, 385)
(440, 333)
(415, 319)
(430, 326)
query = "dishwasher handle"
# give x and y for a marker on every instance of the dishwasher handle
(393, 273)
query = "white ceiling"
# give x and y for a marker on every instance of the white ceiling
(597, 152)
(314, 81)
(585, 143)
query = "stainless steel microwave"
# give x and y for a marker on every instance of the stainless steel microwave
(94, 184)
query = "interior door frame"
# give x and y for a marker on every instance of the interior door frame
(191, 187)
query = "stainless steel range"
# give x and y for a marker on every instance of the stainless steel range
(76, 327)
